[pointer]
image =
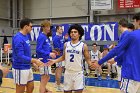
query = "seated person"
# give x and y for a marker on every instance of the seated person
(106, 64)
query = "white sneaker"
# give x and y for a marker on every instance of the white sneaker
(59, 89)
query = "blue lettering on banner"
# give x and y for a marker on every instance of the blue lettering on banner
(94, 32)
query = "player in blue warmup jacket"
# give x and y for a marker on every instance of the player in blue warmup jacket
(123, 27)
(130, 65)
(44, 50)
(58, 43)
(21, 65)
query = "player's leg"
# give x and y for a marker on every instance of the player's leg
(79, 91)
(58, 75)
(20, 88)
(129, 86)
(20, 79)
(30, 84)
(79, 83)
(119, 75)
(108, 70)
(99, 73)
(43, 83)
(68, 82)
(114, 70)
(44, 79)
(67, 91)
(96, 72)
(30, 87)
(138, 90)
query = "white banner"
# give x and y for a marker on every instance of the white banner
(101, 4)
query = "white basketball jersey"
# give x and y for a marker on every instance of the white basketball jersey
(94, 55)
(74, 56)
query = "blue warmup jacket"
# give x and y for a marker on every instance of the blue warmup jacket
(58, 42)
(119, 58)
(21, 52)
(43, 47)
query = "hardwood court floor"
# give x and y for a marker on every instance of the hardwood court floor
(9, 87)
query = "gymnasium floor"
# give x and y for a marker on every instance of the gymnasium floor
(92, 85)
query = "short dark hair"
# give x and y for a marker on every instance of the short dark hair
(123, 22)
(57, 27)
(136, 16)
(94, 44)
(25, 21)
(78, 28)
(131, 26)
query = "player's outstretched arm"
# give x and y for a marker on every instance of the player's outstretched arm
(51, 61)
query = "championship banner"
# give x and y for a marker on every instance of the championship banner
(94, 32)
(128, 3)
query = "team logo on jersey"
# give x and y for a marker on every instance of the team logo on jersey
(62, 40)
(28, 42)
(46, 40)
(73, 51)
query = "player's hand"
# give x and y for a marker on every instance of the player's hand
(111, 61)
(56, 51)
(35, 66)
(112, 46)
(50, 62)
(94, 64)
(52, 55)
(66, 36)
(37, 62)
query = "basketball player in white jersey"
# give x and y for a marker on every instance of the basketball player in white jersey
(95, 55)
(74, 51)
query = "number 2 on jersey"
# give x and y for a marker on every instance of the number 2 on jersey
(72, 58)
